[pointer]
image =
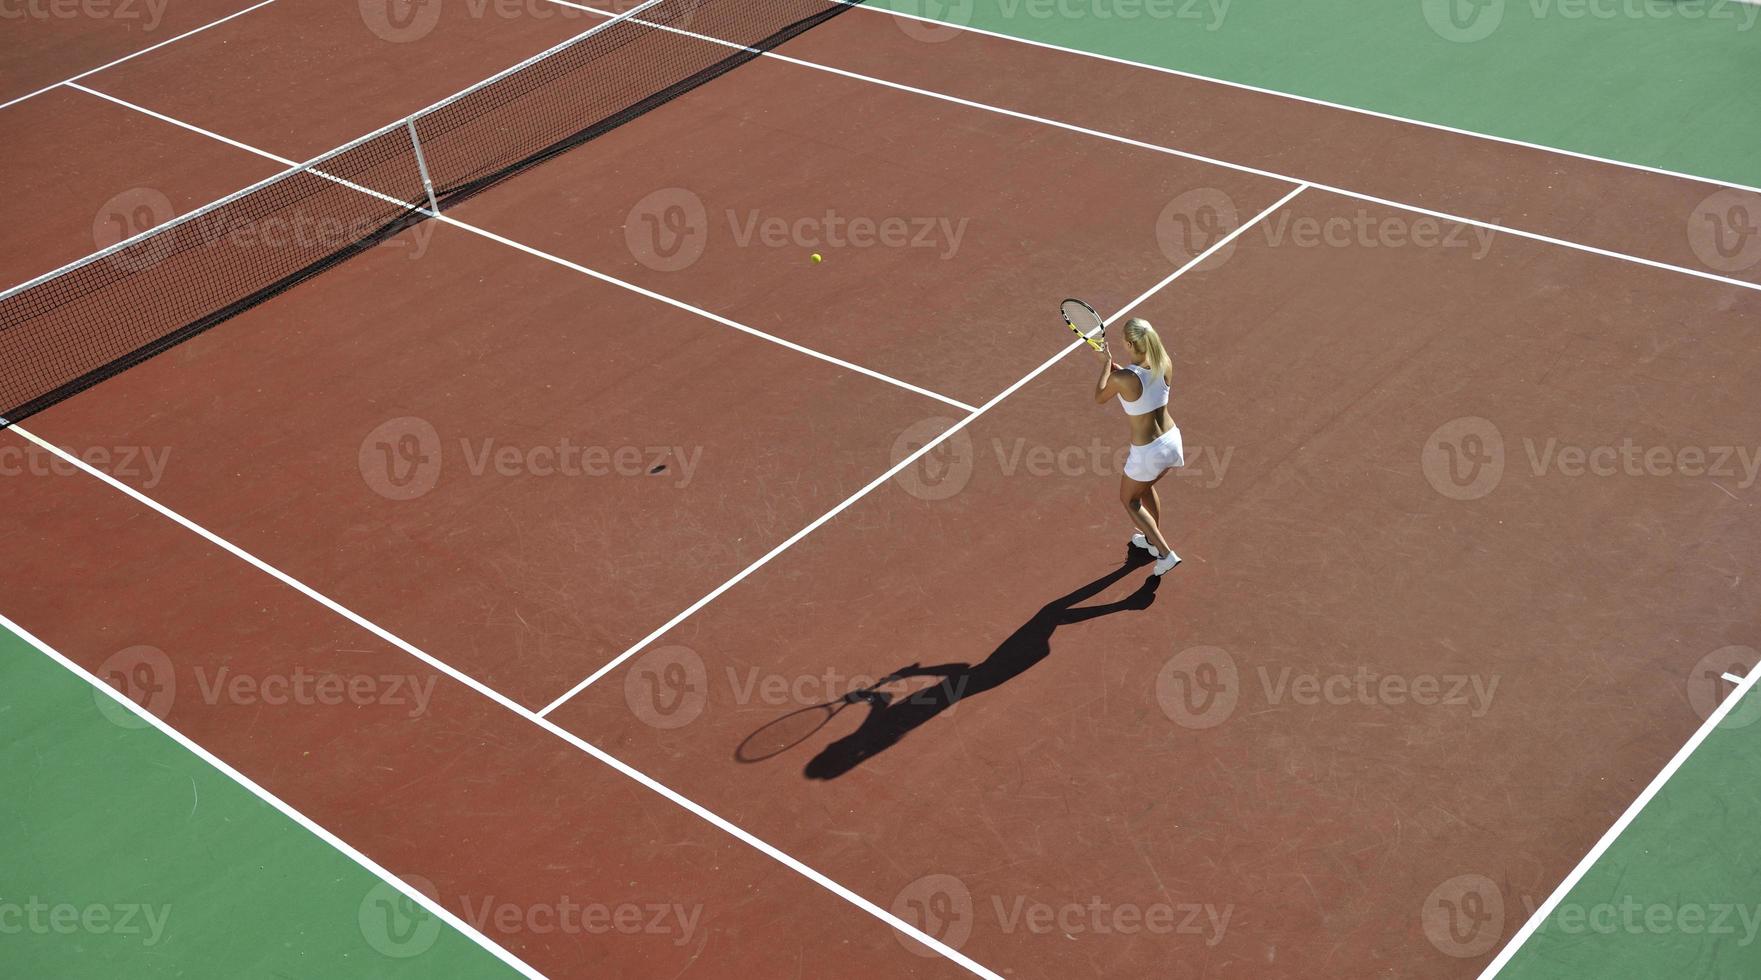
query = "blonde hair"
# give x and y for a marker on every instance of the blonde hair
(1142, 338)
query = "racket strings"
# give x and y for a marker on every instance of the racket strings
(1085, 323)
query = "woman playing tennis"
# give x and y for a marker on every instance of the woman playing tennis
(1142, 389)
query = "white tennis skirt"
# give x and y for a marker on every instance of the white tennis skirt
(1145, 463)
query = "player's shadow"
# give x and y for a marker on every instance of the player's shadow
(890, 720)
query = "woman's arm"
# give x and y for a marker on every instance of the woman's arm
(1108, 385)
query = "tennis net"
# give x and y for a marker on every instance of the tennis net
(72, 328)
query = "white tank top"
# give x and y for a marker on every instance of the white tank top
(1155, 392)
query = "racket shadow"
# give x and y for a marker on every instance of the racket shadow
(890, 718)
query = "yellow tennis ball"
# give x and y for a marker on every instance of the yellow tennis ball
(817, 259)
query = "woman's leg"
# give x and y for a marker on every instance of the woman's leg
(1132, 494)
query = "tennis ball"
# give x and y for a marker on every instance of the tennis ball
(817, 259)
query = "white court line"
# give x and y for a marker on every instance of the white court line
(516, 708)
(296, 816)
(902, 464)
(1243, 86)
(1727, 675)
(1201, 158)
(724, 321)
(162, 117)
(581, 744)
(1124, 140)
(1542, 914)
(565, 263)
(972, 413)
(137, 54)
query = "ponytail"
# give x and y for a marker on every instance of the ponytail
(1142, 338)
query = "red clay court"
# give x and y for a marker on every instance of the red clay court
(535, 395)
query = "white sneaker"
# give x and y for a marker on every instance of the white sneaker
(1164, 564)
(1139, 541)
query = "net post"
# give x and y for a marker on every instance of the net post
(422, 165)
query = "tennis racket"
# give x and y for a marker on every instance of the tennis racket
(798, 726)
(1085, 323)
